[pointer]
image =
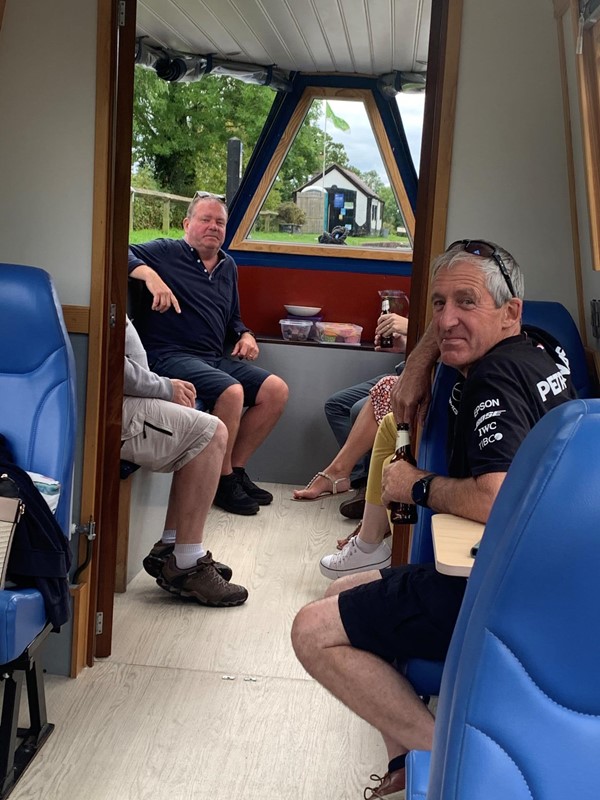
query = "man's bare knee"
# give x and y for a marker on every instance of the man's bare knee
(316, 628)
(231, 399)
(274, 392)
(219, 438)
(304, 633)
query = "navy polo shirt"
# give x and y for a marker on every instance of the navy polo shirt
(209, 302)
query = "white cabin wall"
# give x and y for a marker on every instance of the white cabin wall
(47, 113)
(47, 108)
(509, 178)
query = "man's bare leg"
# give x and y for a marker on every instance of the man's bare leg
(228, 408)
(362, 681)
(259, 420)
(360, 441)
(193, 488)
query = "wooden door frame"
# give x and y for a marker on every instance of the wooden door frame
(106, 342)
(436, 157)
(114, 104)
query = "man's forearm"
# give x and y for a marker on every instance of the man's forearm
(425, 353)
(142, 272)
(471, 498)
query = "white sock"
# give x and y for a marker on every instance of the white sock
(366, 547)
(168, 536)
(186, 555)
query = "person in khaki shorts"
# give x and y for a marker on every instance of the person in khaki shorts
(162, 431)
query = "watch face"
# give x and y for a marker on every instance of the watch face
(420, 490)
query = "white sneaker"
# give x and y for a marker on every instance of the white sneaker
(350, 560)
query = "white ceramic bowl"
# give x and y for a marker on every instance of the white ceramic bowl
(302, 311)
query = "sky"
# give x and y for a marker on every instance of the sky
(360, 140)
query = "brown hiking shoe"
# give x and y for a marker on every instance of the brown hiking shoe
(201, 583)
(157, 558)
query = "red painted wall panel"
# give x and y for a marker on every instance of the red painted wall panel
(343, 296)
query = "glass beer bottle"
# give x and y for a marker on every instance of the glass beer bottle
(403, 513)
(386, 341)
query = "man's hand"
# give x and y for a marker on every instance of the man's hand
(393, 325)
(411, 394)
(184, 393)
(397, 482)
(163, 297)
(245, 347)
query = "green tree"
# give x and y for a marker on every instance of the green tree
(180, 130)
(391, 213)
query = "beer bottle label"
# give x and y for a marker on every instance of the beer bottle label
(402, 439)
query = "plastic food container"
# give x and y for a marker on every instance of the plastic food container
(338, 332)
(295, 330)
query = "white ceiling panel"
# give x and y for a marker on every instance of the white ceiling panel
(347, 36)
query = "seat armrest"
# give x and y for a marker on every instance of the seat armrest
(417, 774)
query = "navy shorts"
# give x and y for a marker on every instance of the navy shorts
(410, 613)
(211, 376)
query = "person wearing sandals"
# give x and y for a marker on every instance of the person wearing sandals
(367, 621)
(353, 415)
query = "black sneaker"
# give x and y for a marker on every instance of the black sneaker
(201, 583)
(231, 497)
(157, 558)
(262, 497)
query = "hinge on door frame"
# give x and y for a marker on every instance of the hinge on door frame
(112, 315)
(99, 622)
(121, 14)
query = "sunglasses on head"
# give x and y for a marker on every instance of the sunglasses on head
(483, 249)
(198, 195)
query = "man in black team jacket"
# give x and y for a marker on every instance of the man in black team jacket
(349, 640)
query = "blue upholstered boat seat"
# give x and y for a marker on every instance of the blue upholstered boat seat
(519, 707)
(37, 417)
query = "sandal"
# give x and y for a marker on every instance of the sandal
(341, 543)
(334, 483)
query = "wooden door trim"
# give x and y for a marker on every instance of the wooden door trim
(436, 156)
(117, 239)
(102, 434)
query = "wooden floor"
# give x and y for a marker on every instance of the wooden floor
(199, 704)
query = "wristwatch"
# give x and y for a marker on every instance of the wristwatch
(420, 490)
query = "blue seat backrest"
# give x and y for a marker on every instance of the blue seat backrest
(519, 708)
(37, 379)
(432, 457)
(555, 319)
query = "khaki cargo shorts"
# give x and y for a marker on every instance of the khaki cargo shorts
(163, 436)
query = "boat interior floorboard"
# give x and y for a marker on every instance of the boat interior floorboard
(197, 703)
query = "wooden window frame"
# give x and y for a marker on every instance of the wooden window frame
(240, 241)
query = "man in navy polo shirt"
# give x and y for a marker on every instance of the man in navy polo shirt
(186, 330)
